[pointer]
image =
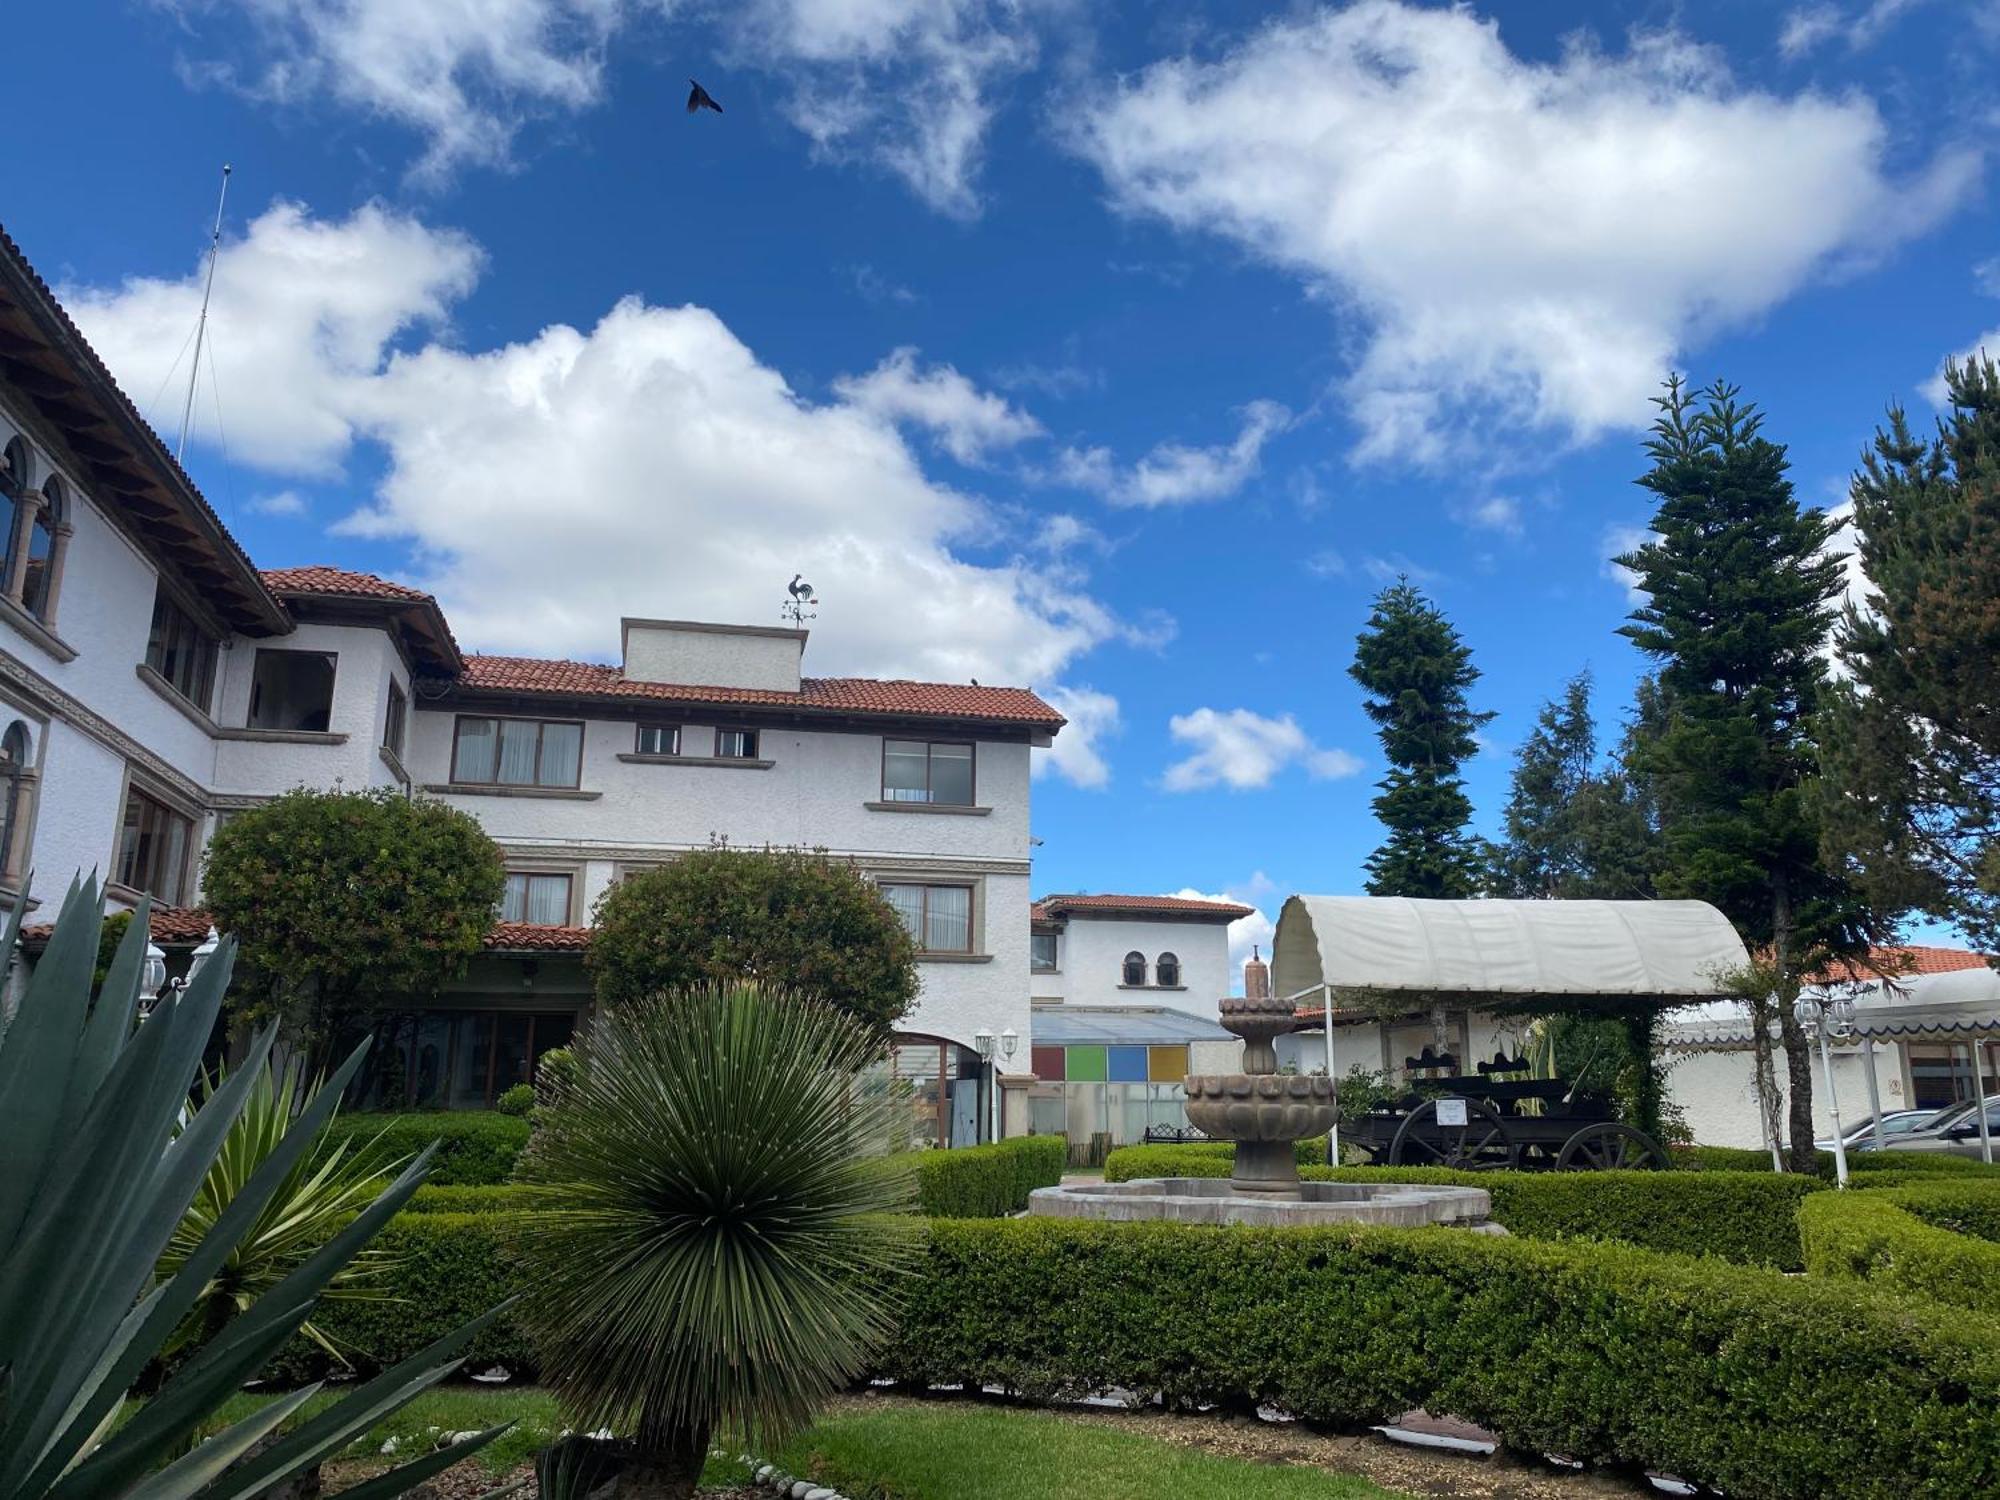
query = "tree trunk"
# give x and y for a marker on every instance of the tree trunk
(1798, 1050)
(1767, 1076)
(669, 1471)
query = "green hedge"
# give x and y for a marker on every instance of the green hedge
(1758, 1384)
(476, 1147)
(1886, 1239)
(445, 1269)
(1962, 1207)
(513, 1197)
(1743, 1159)
(1748, 1217)
(987, 1182)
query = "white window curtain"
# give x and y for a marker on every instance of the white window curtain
(475, 750)
(908, 901)
(562, 751)
(949, 929)
(517, 752)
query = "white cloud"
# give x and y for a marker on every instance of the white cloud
(908, 84)
(1617, 541)
(1175, 473)
(1245, 933)
(1078, 752)
(1809, 27)
(1395, 568)
(283, 503)
(304, 312)
(1242, 750)
(1525, 245)
(649, 465)
(966, 421)
(462, 73)
(1499, 513)
(1326, 563)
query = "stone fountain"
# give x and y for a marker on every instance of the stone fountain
(1263, 1111)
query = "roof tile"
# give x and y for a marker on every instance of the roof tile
(1050, 907)
(339, 581)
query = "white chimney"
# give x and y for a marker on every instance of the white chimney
(693, 654)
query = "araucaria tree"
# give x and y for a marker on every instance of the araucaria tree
(1912, 741)
(1739, 583)
(1417, 673)
(346, 901)
(789, 917)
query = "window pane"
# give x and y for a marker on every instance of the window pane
(291, 690)
(950, 927)
(548, 900)
(908, 900)
(519, 739)
(659, 739)
(1042, 947)
(951, 775)
(514, 899)
(472, 1052)
(429, 1055)
(394, 720)
(510, 1056)
(474, 761)
(172, 867)
(905, 771)
(736, 744)
(562, 754)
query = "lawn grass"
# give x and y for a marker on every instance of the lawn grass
(952, 1451)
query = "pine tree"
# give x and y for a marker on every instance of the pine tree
(1912, 742)
(1417, 672)
(1542, 855)
(1739, 584)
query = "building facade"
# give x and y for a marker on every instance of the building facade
(154, 683)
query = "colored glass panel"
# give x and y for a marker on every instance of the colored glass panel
(1126, 1065)
(1166, 1064)
(1085, 1065)
(1047, 1063)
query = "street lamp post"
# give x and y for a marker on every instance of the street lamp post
(983, 1040)
(1009, 1040)
(154, 986)
(1831, 1020)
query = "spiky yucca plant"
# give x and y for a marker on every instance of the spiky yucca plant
(96, 1170)
(324, 1189)
(721, 1248)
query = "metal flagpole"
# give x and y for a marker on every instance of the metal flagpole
(201, 324)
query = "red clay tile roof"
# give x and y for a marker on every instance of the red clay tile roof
(859, 695)
(340, 581)
(181, 925)
(1905, 962)
(1050, 907)
(530, 937)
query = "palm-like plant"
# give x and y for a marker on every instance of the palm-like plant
(721, 1251)
(324, 1189)
(95, 1173)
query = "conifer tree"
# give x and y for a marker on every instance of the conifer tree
(1739, 582)
(1912, 741)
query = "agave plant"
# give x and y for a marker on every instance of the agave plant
(326, 1187)
(96, 1170)
(719, 1252)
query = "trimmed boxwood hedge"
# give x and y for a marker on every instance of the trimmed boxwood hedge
(508, 1198)
(984, 1182)
(1963, 1207)
(1744, 1159)
(1756, 1383)
(476, 1147)
(1749, 1217)
(1894, 1239)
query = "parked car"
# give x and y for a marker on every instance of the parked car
(1895, 1123)
(1955, 1130)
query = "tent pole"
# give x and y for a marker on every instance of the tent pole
(1874, 1090)
(1333, 1132)
(1979, 1102)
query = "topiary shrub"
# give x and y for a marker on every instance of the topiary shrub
(986, 1182)
(476, 1147)
(1763, 1386)
(1747, 1217)
(1880, 1237)
(516, 1101)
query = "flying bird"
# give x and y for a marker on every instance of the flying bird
(698, 99)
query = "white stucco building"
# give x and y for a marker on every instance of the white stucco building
(154, 682)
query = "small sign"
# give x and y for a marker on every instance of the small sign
(1451, 1112)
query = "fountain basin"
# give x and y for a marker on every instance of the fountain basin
(1217, 1200)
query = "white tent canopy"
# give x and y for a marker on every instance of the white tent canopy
(1663, 949)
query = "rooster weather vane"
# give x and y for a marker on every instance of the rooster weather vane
(803, 604)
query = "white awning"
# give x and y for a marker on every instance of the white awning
(1636, 948)
(1956, 1005)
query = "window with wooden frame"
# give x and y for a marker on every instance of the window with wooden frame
(517, 752)
(735, 744)
(939, 917)
(1133, 973)
(396, 722)
(1167, 971)
(1042, 952)
(16, 797)
(658, 739)
(536, 896)
(153, 845)
(933, 771)
(181, 651)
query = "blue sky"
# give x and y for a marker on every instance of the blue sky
(1122, 351)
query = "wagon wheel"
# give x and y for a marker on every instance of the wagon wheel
(1610, 1147)
(1481, 1144)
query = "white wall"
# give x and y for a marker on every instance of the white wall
(366, 662)
(1090, 958)
(712, 656)
(1716, 1091)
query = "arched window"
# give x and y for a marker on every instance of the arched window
(14, 749)
(16, 477)
(1135, 968)
(1167, 971)
(36, 579)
